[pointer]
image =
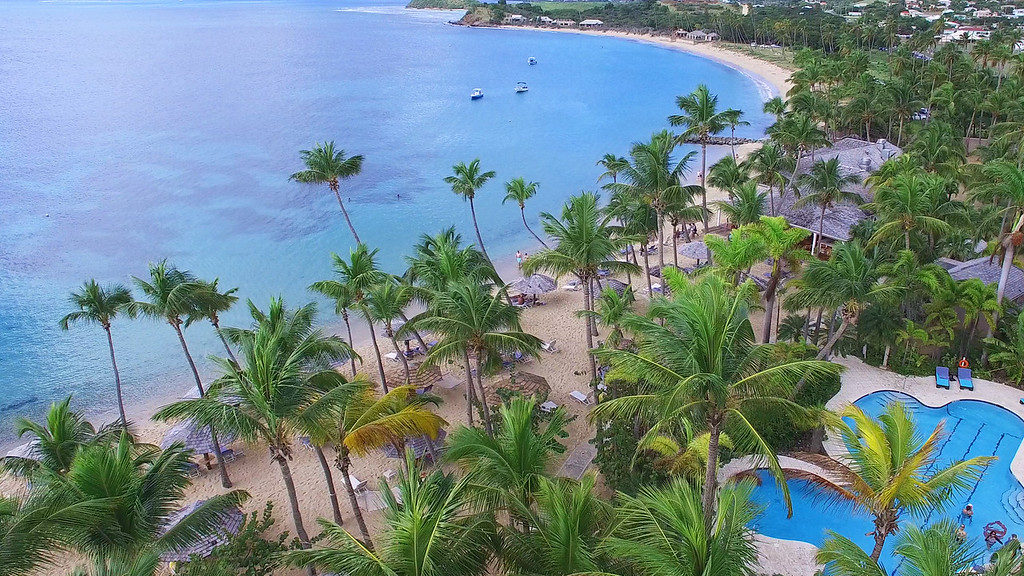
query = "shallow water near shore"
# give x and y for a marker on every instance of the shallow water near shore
(134, 131)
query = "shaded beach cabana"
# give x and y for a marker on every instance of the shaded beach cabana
(535, 284)
(617, 285)
(195, 438)
(421, 379)
(229, 523)
(26, 451)
(420, 445)
(525, 383)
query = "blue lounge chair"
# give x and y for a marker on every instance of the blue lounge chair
(963, 375)
(942, 377)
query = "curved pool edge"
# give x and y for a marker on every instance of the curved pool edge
(860, 379)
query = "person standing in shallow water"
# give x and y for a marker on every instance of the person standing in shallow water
(519, 259)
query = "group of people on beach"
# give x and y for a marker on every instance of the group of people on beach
(520, 256)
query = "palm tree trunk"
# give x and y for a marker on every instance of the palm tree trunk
(906, 239)
(769, 299)
(821, 231)
(479, 239)
(401, 354)
(332, 492)
(711, 476)
(346, 463)
(771, 197)
(647, 270)
(483, 394)
(348, 328)
(885, 356)
(415, 333)
(348, 220)
(675, 247)
(827, 350)
(590, 337)
(224, 480)
(703, 188)
(661, 239)
(293, 499)
(223, 340)
(522, 212)
(879, 535)
(376, 351)
(117, 379)
(469, 389)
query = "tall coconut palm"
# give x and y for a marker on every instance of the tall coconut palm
(1008, 355)
(477, 328)
(728, 175)
(56, 441)
(612, 165)
(903, 206)
(465, 182)
(849, 281)
(210, 303)
(567, 526)
(267, 398)
(782, 244)
(327, 165)
(770, 165)
(385, 302)
(654, 176)
(295, 326)
(509, 466)
(701, 120)
(585, 243)
(702, 368)
(1007, 183)
(33, 531)
(655, 533)
(609, 309)
(519, 191)
(369, 422)
(352, 279)
(733, 119)
(890, 470)
(825, 186)
(776, 107)
(637, 220)
(747, 206)
(95, 304)
(142, 487)
(798, 134)
(433, 529)
(441, 259)
(171, 295)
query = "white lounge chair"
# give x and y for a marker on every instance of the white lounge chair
(548, 407)
(580, 397)
(549, 346)
(572, 286)
(357, 484)
(393, 356)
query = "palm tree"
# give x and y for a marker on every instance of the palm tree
(612, 165)
(782, 243)
(465, 182)
(95, 304)
(384, 303)
(267, 398)
(322, 352)
(519, 191)
(727, 174)
(509, 466)
(1007, 183)
(141, 488)
(584, 245)
(747, 206)
(477, 328)
(701, 120)
(609, 309)
(776, 107)
(344, 300)
(1008, 355)
(849, 281)
(770, 165)
(325, 165)
(733, 119)
(441, 259)
(369, 422)
(737, 253)
(567, 526)
(903, 206)
(798, 134)
(890, 470)
(827, 185)
(172, 294)
(33, 531)
(701, 368)
(210, 302)
(353, 278)
(655, 533)
(435, 530)
(57, 440)
(637, 220)
(931, 551)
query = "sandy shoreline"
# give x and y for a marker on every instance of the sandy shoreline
(766, 74)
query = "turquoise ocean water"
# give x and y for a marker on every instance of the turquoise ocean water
(134, 131)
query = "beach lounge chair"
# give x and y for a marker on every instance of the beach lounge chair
(304, 440)
(548, 407)
(357, 484)
(393, 356)
(549, 346)
(231, 455)
(942, 377)
(572, 286)
(192, 470)
(963, 377)
(580, 397)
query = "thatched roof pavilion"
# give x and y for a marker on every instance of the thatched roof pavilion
(525, 383)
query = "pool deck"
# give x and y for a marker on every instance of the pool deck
(796, 558)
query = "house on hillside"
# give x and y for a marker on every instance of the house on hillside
(701, 36)
(591, 23)
(680, 33)
(856, 156)
(546, 20)
(564, 23)
(513, 19)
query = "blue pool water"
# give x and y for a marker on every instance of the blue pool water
(141, 129)
(973, 428)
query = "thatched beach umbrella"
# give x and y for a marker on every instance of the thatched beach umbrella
(26, 451)
(525, 383)
(697, 250)
(195, 438)
(535, 284)
(230, 522)
(427, 376)
(617, 285)
(419, 445)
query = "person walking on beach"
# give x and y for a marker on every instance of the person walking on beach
(519, 259)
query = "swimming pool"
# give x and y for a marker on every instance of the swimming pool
(972, 428)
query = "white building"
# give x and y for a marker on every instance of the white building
(564, 23)
(513, 19)
(591, 23)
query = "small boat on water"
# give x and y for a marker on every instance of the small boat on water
(531, 60)
(476, 94)
(521, 87)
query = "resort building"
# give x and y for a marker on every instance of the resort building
(564, 23)
(513, 19)
(701, 36)
(591, 23)
(545, 20)
(987, 270)
(856, 156)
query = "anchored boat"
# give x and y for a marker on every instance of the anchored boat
(521, 87)
(476, 94)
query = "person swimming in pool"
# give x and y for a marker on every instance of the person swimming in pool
(968, 513)
(961, 533)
